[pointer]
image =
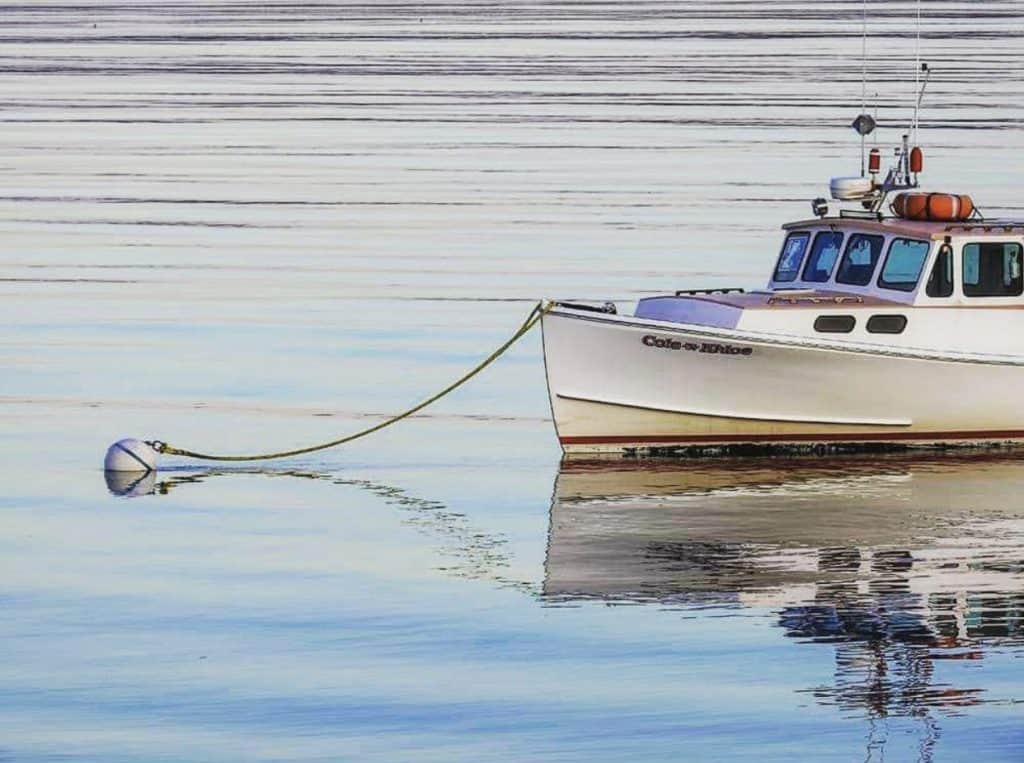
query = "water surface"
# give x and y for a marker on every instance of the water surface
(237, 226)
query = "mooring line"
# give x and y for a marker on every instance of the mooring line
(538, 312)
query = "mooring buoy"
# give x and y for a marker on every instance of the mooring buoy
(130, 455)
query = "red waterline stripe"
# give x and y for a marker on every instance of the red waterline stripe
(997, 434)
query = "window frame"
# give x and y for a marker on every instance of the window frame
(846, 252)
(963, 276)
(806, 235)
(944, 250)
(920, 272)
(810, 253)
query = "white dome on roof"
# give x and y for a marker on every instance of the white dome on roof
(850, 188)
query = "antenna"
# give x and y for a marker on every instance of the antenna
(864, 124)
(864, 76)
(874, 136)
(922, 69)
(908, 158)
(864, 58)
(918, 91)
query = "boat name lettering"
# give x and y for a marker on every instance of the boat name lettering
(711, 348)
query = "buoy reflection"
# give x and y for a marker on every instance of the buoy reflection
(131, 484)
(468, 551)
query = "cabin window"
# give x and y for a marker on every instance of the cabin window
(903, 264)
(887, 324)
(993, 269)
(792, 257)
(859, 260)
(940, 282)
(824, 253)
(834, 324)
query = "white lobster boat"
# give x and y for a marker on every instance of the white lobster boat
(874, 330)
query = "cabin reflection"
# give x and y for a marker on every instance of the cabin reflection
(898, 562)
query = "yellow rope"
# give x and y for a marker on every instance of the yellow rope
(531, 320)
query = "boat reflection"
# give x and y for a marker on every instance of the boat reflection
(897, 561)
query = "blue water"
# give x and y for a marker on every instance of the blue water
(240, 227)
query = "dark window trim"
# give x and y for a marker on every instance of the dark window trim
(834, 324)
(846, 252)
(963, 280)
(945, 251)
(810, 252)
(800, 265)
(887, 324)
(888, 253)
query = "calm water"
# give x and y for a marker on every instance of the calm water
(235, 226)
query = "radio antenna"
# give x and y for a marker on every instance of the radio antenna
(864, 58)
(917, 74)
(864, 76)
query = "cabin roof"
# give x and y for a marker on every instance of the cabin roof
(787, 298)
(918, 229)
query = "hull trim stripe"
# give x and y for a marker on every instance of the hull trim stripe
(746, 416)
(851, 437)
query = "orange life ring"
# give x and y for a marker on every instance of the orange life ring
(938, 207)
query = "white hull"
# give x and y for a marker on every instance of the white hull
(622, 384)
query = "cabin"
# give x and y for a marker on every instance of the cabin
(855, 278)
(905, 261)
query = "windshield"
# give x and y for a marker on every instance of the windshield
(824, 254)
(792, 257)
(859, 261)
(903, 264)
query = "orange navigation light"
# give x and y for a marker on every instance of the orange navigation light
(874, 161)
(916, 160)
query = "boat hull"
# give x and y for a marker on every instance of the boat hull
(624, 384)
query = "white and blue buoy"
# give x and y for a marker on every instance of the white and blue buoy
(130, 455)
